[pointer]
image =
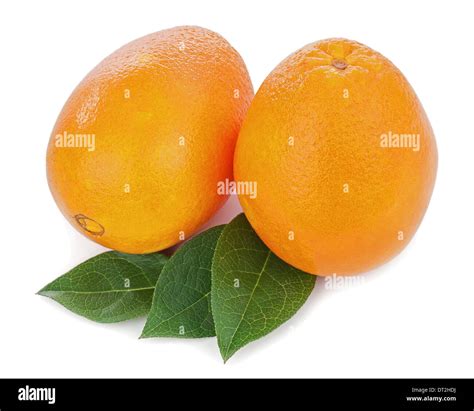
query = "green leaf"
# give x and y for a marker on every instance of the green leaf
(109, 287)
(182, 301)
(253, 291)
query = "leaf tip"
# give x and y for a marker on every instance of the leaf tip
(41, 292)
(225, 354)
(144, 335)
(226, 357)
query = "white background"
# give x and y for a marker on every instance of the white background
(411, 318)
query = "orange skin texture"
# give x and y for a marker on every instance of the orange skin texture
(166, 117)
(336, 201)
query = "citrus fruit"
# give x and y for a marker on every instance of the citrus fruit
(343, 158)
(140, 146)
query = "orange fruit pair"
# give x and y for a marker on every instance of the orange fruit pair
(338, 146)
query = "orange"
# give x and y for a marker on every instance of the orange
(343, 158)
(140, 146)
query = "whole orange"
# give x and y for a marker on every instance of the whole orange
(343, 158)
(140, 146)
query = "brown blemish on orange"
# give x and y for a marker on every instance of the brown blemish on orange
(89, 225)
